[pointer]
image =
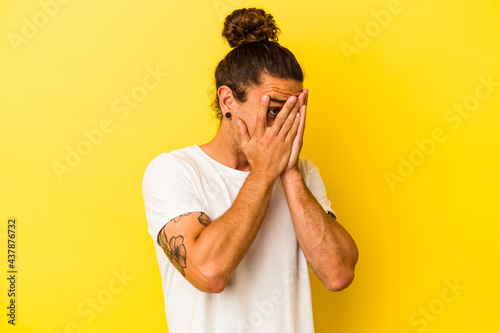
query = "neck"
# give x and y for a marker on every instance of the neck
(224, 149)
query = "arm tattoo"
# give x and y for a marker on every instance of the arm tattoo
(203, 218)
(332, 214)
(178, 218)
(174, 250)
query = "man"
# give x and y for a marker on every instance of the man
(240, 218)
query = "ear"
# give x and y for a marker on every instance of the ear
(226, 99)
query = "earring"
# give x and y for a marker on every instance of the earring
(228, 114)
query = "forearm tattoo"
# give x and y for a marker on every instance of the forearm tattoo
(174, 248)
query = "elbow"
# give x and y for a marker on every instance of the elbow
(214, 287)
(343, 273)
(211, 281)
(340, 280)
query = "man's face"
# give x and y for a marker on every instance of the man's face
(279, 90)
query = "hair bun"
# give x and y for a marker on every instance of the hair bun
(249, 25)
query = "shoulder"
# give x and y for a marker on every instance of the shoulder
(172, 160)
(174, 157)
(167, 166)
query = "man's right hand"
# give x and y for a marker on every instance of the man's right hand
(268, 151)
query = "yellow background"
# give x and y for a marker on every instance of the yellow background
(439, 226)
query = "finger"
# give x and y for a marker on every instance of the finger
(295, 111)
(284, 113)
(262, 116)
(295, 127)
(302, 111)
(302, 125)
(303, 97)
(243, 133)
(287, 125)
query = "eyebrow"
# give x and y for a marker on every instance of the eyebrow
(277, 100)
(280, 101)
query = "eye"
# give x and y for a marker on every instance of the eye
(273, 111)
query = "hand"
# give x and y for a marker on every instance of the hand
(293, 162)
(268, 151)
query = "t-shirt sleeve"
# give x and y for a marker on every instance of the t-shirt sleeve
(167, 193)
(315, 184)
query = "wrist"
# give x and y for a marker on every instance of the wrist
(262, 177)
(291, 177)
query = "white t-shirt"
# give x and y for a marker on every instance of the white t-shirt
(269, 291)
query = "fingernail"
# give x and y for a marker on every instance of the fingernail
(293, 99)
(265, 98)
